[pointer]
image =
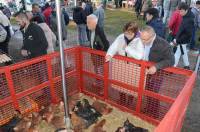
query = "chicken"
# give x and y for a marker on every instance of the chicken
(129, 127)
(99, 126)
(58, 122)
(101, 107)
(48, 114)
(121, 129)
(23, 125)
(77, 122)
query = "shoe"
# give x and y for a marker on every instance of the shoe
(186, 67)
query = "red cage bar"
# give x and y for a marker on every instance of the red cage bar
(160, 99)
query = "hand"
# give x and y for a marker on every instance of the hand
(24, 53)
(107, 58)
(151, 70)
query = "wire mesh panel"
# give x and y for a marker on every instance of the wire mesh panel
(126, 72)
(93, 63)
(26, 104)
(93, 85)
(41, 97)
(122, 96)
(6, 113)
(166, 83)
(71, 84)
(70, 58)
(4, 92)
(154, 108)
(29, 76)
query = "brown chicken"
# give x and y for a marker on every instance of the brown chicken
(58, 122)
(77, 122)
(101, 107)
(48, 114)
(23, 125)
(99, 126)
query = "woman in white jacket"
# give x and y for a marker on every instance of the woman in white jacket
(127, 44)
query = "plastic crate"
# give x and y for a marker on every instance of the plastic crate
(160, 99)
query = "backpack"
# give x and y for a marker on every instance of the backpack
(3, 34)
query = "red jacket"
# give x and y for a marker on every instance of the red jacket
(47, 13)
(175, 22)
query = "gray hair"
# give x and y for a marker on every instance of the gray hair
(148, 29)
(93, 17)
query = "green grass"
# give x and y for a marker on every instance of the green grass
(114, 22)
(116, 19)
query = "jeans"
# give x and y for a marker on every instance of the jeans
(82, 35)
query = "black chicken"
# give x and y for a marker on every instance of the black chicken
(84, 110)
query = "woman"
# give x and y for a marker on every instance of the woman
(127, 44)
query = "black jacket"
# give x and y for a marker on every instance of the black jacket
(34, 41)
(184, 34)
(161, 53)
(79, 16)
(100, 40)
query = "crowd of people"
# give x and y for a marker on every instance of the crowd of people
(171, 20)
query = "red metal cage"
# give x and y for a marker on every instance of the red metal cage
(160, 99)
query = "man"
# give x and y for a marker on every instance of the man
(99, 12)
(196, 11)
(34, 40)
(98, 42)
(184, 35)
(153, 20)
(156, 50)
(98, 38)
(37, 12)
(79, 18)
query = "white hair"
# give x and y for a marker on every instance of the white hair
(148, 29)
(93, 17)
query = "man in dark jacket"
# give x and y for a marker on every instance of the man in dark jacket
(184, 35)
(98, 38)
(159, 51)
(34, 40)
(98, 42)
(79, 18)
(153, 20)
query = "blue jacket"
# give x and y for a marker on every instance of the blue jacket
(158, 26)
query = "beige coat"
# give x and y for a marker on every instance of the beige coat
(50, 36)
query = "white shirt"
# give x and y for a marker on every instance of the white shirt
(135, 49)
(147, 49)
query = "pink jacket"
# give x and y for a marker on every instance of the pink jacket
(175, 22)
